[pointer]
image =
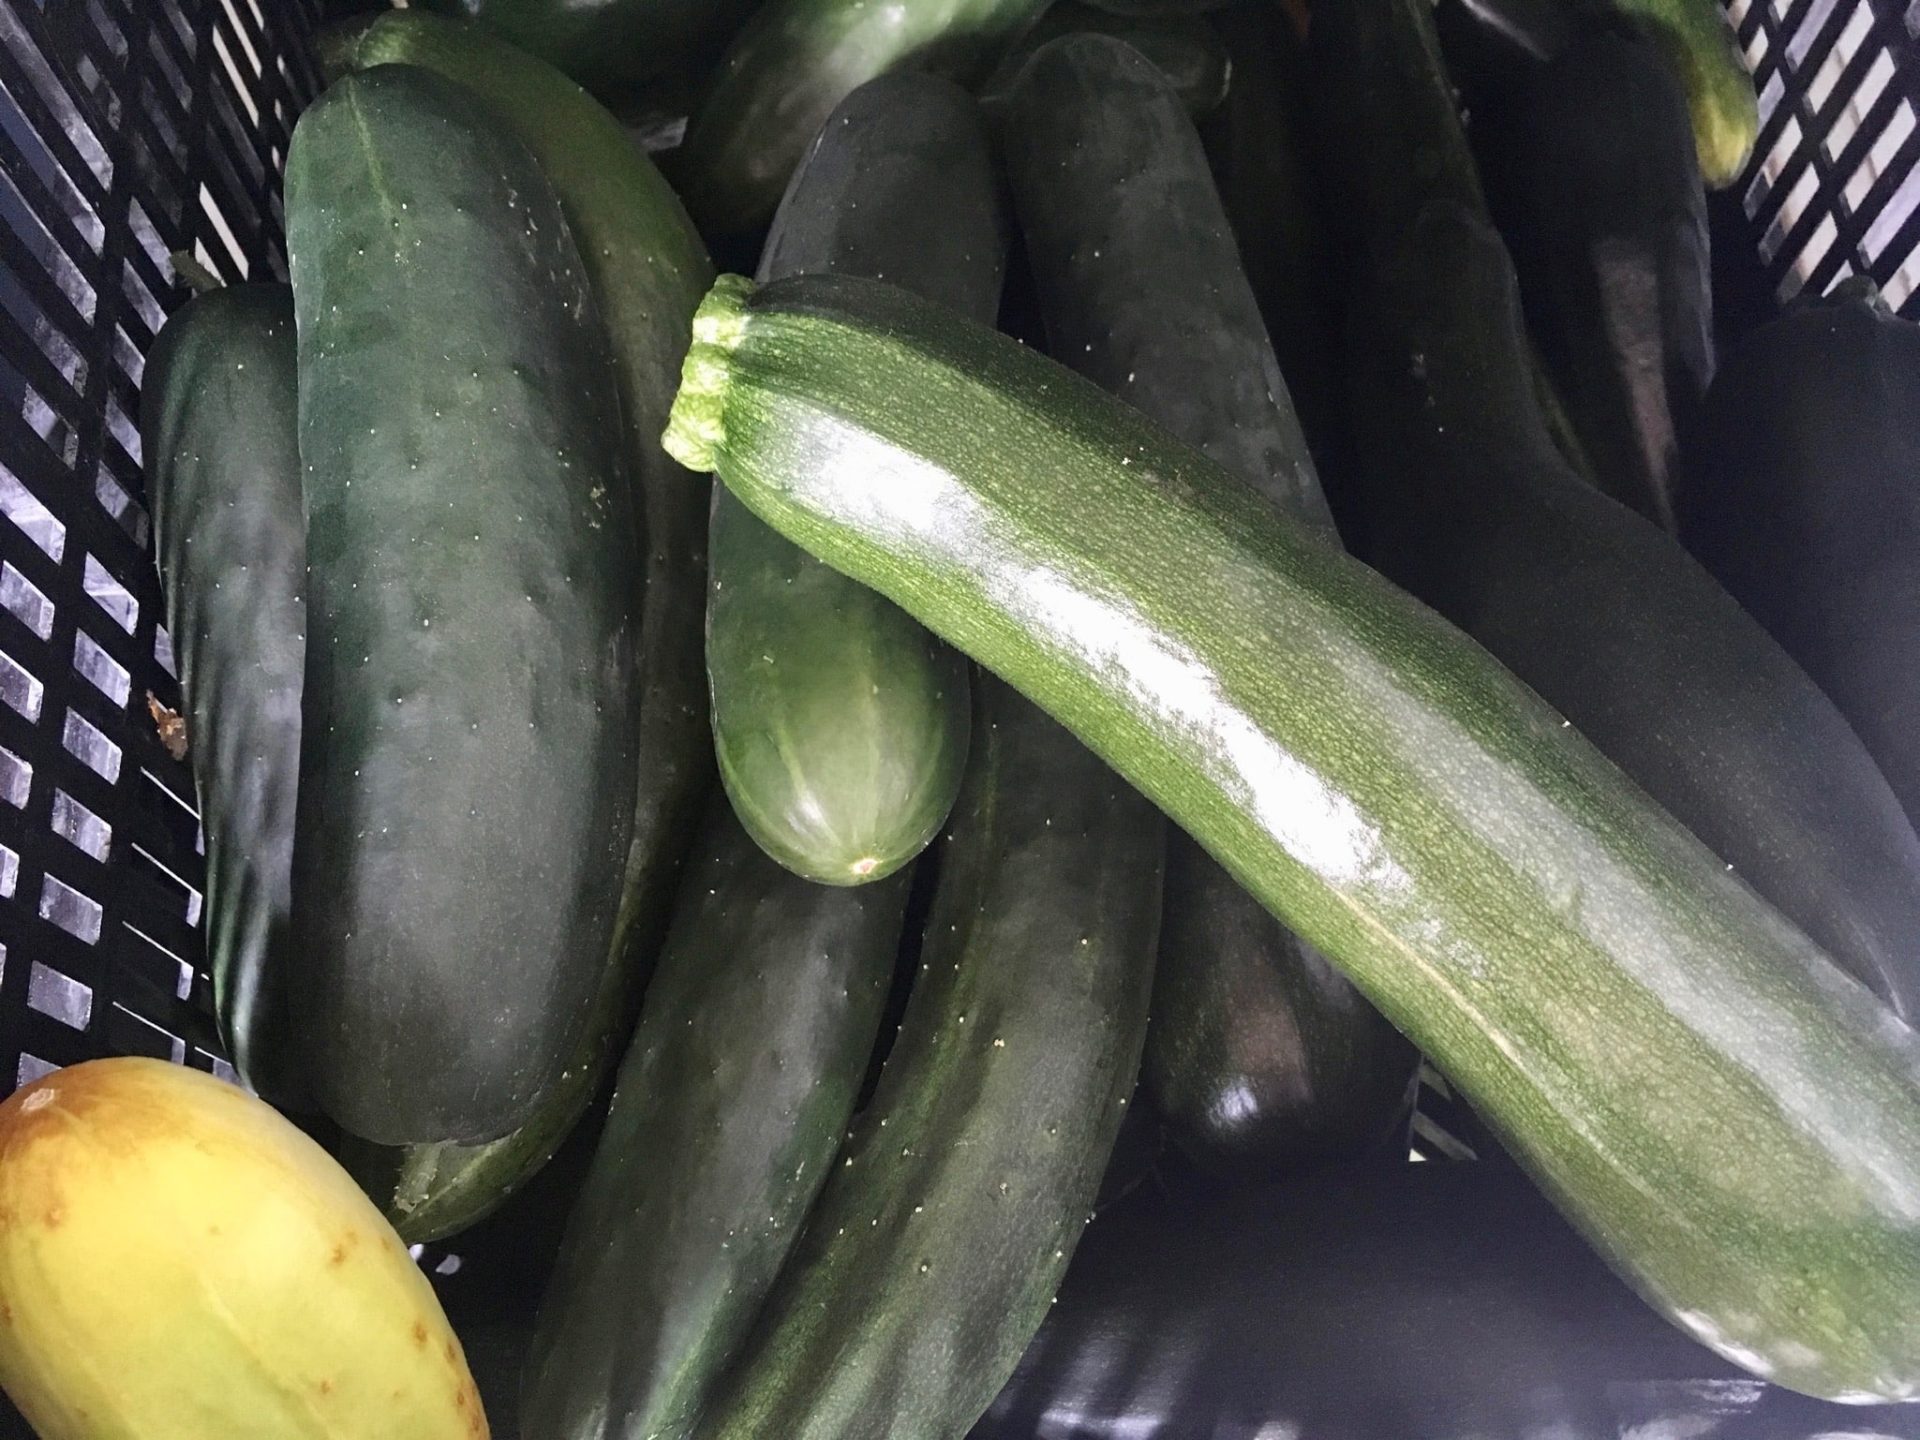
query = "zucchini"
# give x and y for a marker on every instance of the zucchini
(1391, 1304)
(1589, 168)
(1800, 500)
(1582, 968)
(840, 724)
(1261, 1055)
(730, 1105)
(795, 61)
(1594, 607)
(618, 49)
(220, 436)
(647, 269)
(936, 1247)
(467, 758)
(1184, 48)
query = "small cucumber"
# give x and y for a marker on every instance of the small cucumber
(935, 1249)
(1261, 1055)
(220, 434)
(467, 757)
(840, 724)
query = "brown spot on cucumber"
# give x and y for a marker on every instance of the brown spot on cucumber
(420, 1334)
(326, 1387)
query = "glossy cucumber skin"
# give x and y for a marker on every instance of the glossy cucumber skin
(935, 1249)
(220, 435)
(467, 761)
(730, 1105)
(1586, 972)
(615, 48)
(1595, 608)
(1261, 1056)
(1591, 174)
(1801, 503)
(792, 64)
(839, 722)
(647, 269)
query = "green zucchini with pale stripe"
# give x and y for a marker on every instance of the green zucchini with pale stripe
(1261, 1056)
(220, 438)
(1729, 1119)
(839, 722)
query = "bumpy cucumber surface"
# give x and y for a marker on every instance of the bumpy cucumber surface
(937, 1245)
(467, 762)
(730, 1106)
(1582, 968)
(220, 436)
(647, 269)
(1261, 1055)
(839, 722)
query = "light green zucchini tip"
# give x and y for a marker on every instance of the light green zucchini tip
(696, 426)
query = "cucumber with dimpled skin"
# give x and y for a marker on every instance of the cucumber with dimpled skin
(731, 1102)
(935, 1249)
(467, 758)
(1731, 1120)
(1262, 1057)
(840, 724)
(647, 269)
(219, 433)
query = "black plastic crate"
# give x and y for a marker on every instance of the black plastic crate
(133, 129)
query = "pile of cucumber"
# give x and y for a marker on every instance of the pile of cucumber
(1227, 587)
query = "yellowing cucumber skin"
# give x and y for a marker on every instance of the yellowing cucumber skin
(1729, 1119)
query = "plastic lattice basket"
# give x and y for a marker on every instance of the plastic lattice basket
(132, 129)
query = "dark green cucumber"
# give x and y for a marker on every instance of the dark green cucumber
(794, 62)
(729, 1108)
(647, 269)
(841, 725)
(1257, 142)
(1801, 501)
(1184, 48)
(1261, 1055)
(1594, 607)
(467, 757)
(935, 1249)
(1590, 171)
(1731, 1120)
(219, 431)
(618, 49)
